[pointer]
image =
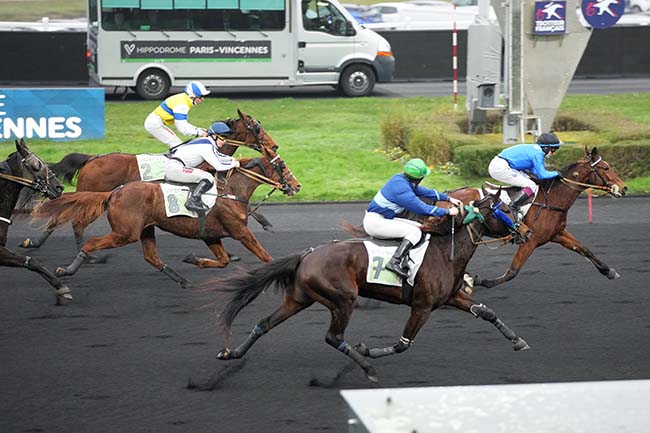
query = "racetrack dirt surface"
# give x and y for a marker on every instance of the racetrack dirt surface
(119, 357)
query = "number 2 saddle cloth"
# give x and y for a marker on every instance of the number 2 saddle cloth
(379, 253)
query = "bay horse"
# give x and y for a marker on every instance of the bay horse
(104, 173)
(21, 169)
(334, 275)
(547, 217)
(137, 208)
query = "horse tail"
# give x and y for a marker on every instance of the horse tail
(356, 231)
(81, 208)
(248, 285)
(69, 166)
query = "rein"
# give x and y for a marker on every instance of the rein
(259, 178)
(570, 183)
(20, 180)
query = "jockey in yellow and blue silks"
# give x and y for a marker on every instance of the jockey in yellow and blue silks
(399, 193)
(174, 111)
(513, 165)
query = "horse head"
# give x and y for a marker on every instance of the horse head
(275, 171)
(32, 168)
(492, 214)
(594, 172)
(250, 131)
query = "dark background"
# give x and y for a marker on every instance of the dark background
(60, 57)
(119, 357)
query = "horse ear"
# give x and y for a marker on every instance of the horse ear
(594, 152)
(21, 147)
(241, 115)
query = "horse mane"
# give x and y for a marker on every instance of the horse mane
(69, 166)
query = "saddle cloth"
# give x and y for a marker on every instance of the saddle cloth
(151, 166)
(505, 195)
(379, 255)
(176, 196)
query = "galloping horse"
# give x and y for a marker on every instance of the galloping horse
(106, 172)
(547, 218)
(136, 209)
(335, 275)
(25, 169)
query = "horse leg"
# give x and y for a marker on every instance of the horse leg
(111, 240)
(38, 241)
(288, 308)
(463, 301)
(248, 239)
(417, 319)
(568, 241)
(148, 241)
(78, 230)
(217, 248)
(521, 256)
(10, 258)
(341, 312)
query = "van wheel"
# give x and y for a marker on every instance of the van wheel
(153, 84)
(357, 80)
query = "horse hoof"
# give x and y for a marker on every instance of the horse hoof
(234, 258)
(191, 259)
(362, 349)
(185, 284)
(60, 272)
(224, 355)
(27, 243)
(268, 229)
(612, 274)
(478, 281)
(371, 374)
(520, 344)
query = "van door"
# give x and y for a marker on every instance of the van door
(325, 39)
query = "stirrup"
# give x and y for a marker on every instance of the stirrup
(196, 207)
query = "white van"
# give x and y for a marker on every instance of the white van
(151, 45)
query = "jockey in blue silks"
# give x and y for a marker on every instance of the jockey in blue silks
(514, 164)
(399, 193)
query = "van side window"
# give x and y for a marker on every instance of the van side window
(322, 16)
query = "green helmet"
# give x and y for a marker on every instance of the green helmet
(416, 169)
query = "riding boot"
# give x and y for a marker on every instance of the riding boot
(194, 202)
(398, 263)
(517, 202)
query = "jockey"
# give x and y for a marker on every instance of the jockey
(399, 193)
(513, 165)
(173, 111)
(181, 166)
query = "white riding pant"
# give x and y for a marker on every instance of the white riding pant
(175, 171)
(500, 170)
(378, 226)
(161, 132)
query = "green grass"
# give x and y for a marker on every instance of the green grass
(331, 145)
(34, 10)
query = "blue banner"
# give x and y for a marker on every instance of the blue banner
(52, 114)
(601, 14)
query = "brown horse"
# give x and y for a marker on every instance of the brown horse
(136, 209)
(547, 217)
(24, 168)
(335, 275)
(106, 172)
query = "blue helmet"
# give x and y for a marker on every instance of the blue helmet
(220, 128)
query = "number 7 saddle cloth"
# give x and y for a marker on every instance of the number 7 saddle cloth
(380, 252)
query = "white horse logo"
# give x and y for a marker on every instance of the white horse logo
(551, 10)
(129, 48)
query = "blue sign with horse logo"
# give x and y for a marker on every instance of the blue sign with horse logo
(601, 14)
(550, 17)
(52, 114)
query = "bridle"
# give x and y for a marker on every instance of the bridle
(581, 186)
(38, 182)
(255, 129)
(473, 212)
